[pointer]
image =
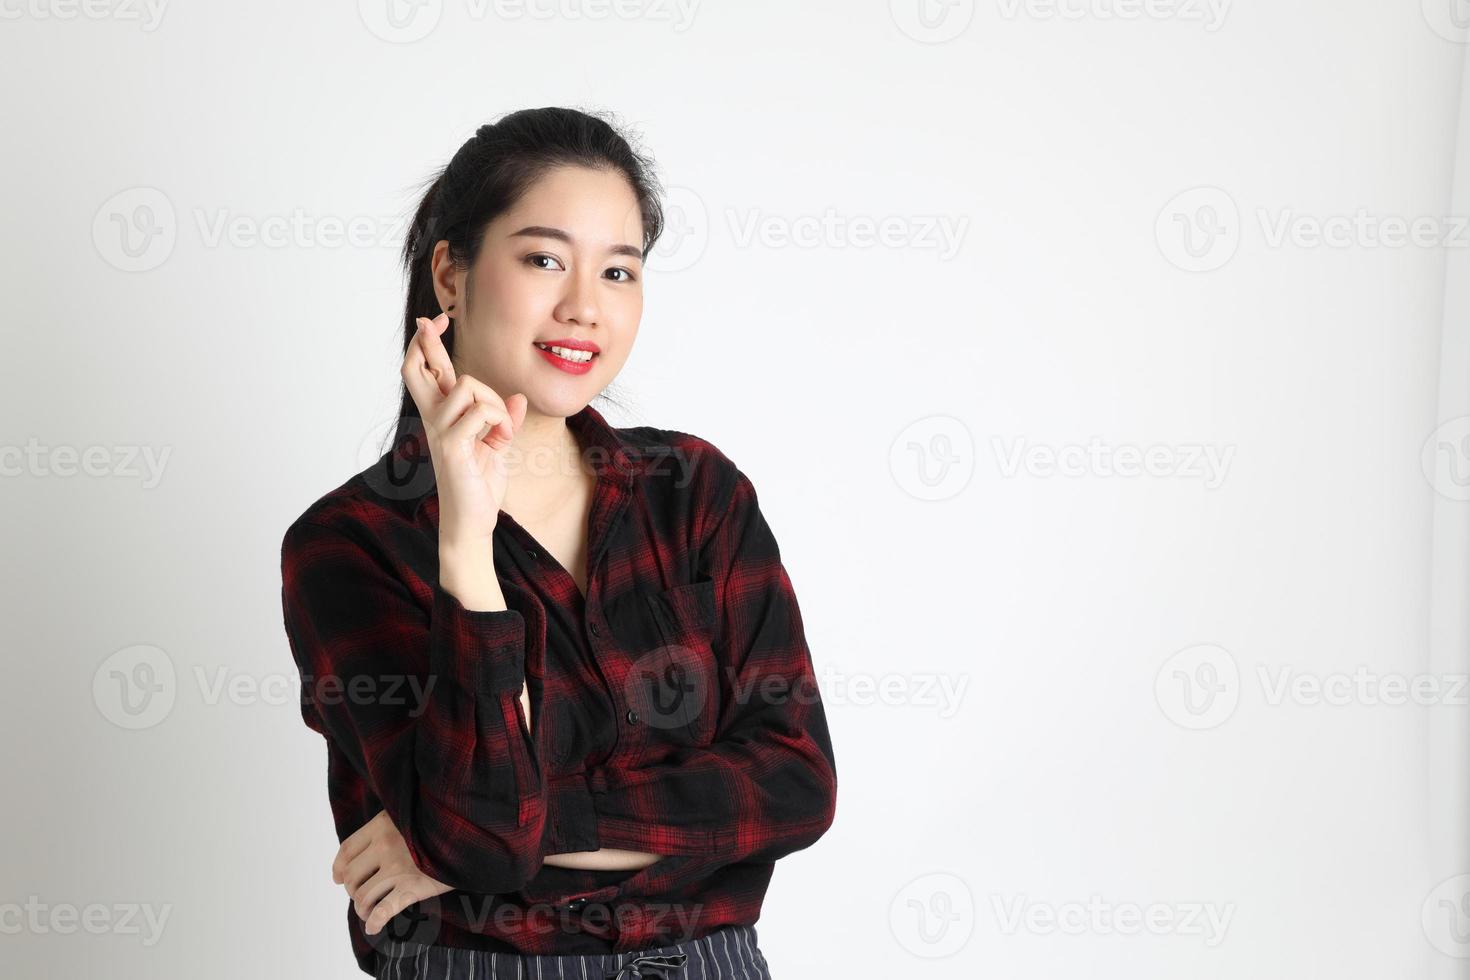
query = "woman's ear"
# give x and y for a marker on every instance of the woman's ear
(443, 274)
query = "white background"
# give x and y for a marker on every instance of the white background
(1116, 737)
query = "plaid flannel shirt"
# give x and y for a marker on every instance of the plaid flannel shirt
(674, 710)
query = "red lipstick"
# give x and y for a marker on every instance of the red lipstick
(565, 364)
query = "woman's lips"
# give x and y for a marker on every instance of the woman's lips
(570, 367)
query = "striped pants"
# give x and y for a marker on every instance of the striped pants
(727, 953)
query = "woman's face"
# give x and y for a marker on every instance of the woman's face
(564, 264)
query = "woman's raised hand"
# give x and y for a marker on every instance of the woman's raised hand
(469, 427)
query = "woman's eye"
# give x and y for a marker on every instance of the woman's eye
(538, 257)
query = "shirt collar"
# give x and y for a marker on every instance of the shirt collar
(612, 452)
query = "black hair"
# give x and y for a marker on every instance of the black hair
(484, 179)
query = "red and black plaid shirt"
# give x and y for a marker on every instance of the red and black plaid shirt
(675, 711)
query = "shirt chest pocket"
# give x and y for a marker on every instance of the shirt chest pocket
(673, 682)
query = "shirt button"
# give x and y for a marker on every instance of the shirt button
(534, 553)
(593, 628)
(632, 717)
(576, 904)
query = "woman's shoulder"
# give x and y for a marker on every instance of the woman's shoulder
(684, 459)
(363, 505)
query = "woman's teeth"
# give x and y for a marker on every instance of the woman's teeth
(577, 356)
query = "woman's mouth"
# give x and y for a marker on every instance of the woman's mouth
(568, 359)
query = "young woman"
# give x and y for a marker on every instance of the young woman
(569, 708)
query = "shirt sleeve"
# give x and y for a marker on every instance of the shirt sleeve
(426, 707)
(767, 785)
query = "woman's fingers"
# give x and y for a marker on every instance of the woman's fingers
(515, 405)
(477, 418)
(460, 406)
(436, 355)
(404, 894)
(422, 386)
(469, 391)
(355, 844)
(361, 868)
(371, 892)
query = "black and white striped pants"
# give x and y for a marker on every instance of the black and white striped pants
(727, 953)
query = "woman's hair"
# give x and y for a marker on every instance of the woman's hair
(483, 180)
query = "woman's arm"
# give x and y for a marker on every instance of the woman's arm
(474, 583)
(427, 708)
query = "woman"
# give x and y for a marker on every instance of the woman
(570, 712)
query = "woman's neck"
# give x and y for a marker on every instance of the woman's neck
(546, 465)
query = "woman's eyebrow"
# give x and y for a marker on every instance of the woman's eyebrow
(541, 231)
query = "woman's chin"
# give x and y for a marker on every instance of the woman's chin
(561, 400)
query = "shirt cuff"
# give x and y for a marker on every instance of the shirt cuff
(483, 651)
